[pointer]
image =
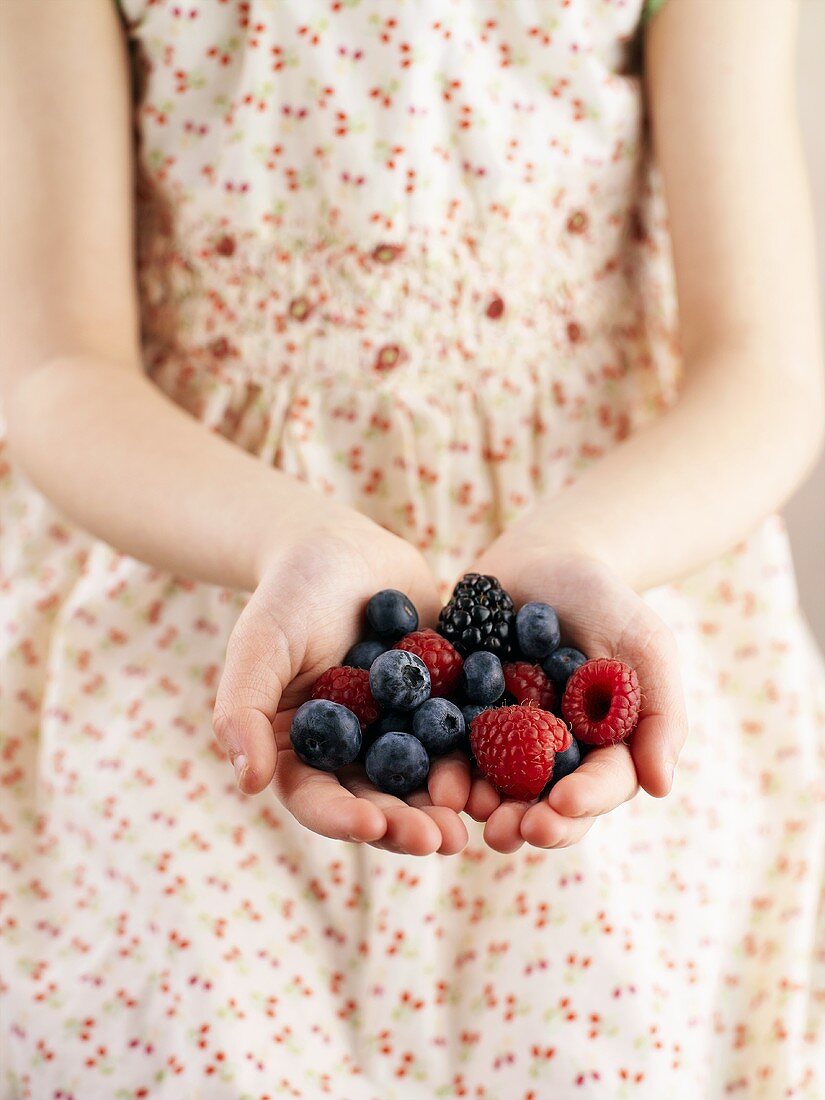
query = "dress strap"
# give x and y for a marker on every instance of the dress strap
(650, 8)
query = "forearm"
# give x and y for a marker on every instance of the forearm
(121, 460)
(748, 422)
(687, 487)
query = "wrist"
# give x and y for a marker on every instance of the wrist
(552, 536)
(306, 519)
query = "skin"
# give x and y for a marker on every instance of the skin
(719, 85)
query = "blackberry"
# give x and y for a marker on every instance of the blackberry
(479, 616)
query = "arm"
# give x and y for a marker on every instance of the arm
(71, 370)
(120, 459)
(749, 419)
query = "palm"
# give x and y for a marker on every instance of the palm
(604, 618)
(301, 620)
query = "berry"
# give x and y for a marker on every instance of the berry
(392, 721)
(391, 614)
(351, 688)
(515, 747)
(399, 680)
(479, 615)
(560, 665)
(471, 711)
(325, 734)
(601, 701)
(529, 684)
(397, 763)
(362, 654)
(537, 630)
(439, 726)
(565, 762)
(442, 660)
(483, 678)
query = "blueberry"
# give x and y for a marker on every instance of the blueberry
(399, 680)
(391, 614)
(560, 665)
(564, 763)
(439, 726)
(537, 630)
(392, 721)
(397, 763)
(471, 711)
(325, 735)
(483, 678)
(362, 654)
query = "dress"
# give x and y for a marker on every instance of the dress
(414, 253)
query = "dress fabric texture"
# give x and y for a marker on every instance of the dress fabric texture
(415, 254)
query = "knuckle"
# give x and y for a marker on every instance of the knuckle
(232, 725)
(666, 641)
(222, 725)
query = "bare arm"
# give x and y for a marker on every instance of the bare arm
(121, 460)
(104, 444)
(749, 420)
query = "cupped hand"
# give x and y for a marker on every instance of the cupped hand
(603, 617)
(305, 613)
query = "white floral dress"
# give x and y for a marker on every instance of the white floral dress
(414, 254)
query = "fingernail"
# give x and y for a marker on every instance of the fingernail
(670, 769)
(239, 764)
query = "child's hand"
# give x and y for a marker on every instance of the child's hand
(301, 619)
(603, 617)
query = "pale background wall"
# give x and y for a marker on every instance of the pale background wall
(805, 514)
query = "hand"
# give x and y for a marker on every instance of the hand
(301, 619)
(603, 617)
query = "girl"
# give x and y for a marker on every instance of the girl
(403, 306)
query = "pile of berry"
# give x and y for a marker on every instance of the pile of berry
(492, 681)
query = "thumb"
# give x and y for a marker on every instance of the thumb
(258, 664)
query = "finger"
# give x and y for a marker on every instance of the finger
(542, 827)
(410, 831)
(449, 781)
(245, 735)
(503, 829)
(454, 834)
(483, 799)
(663, 726)
(655, 746)
(605, 779)
(248, 696)
(318, 801)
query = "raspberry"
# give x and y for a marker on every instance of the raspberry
(351, 688)
(443, 661)
(529, 684)
(601, 702)
(516, 747)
